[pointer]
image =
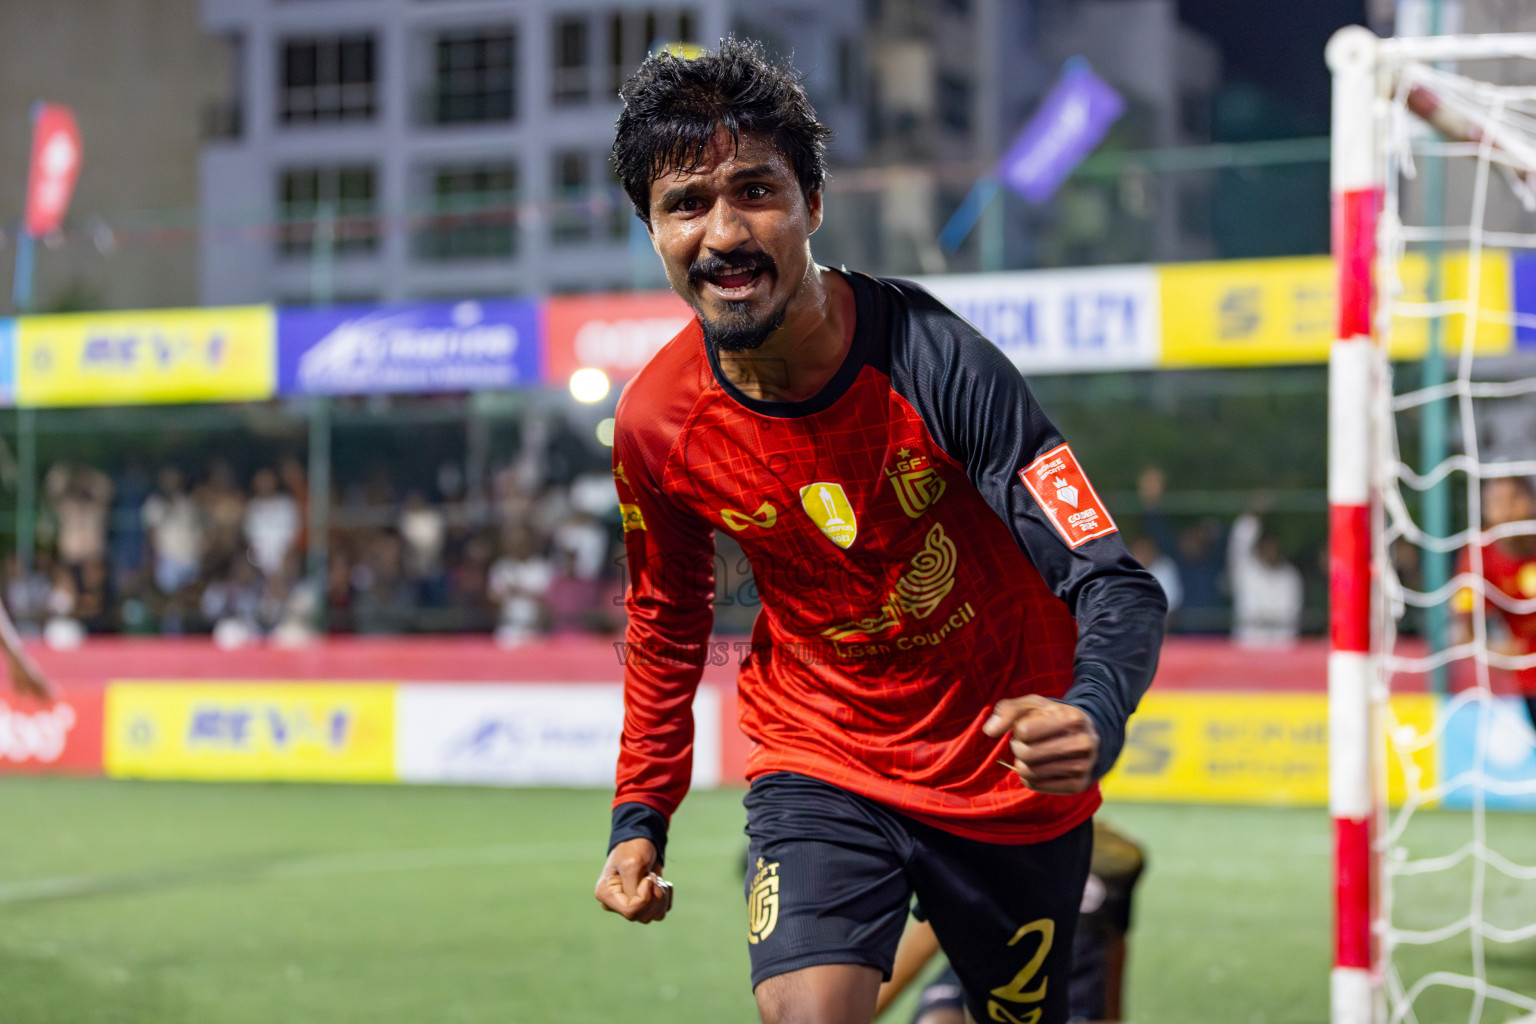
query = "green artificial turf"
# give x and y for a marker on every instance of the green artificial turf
(164, 903)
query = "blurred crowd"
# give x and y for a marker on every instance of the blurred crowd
(1220, 578)
(536, 549)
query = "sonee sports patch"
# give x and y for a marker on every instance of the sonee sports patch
(1067, 498)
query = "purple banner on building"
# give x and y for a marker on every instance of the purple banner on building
(1072, 119)
(473, 345)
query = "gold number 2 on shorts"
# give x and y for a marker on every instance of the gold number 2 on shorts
(1015, 990)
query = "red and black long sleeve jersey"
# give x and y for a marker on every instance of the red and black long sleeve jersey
(924, 544)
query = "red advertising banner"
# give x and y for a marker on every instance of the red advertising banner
(613, 333)
(55, 166)
(61, 737)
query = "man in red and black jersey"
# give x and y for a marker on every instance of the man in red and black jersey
(942, 589)
(1508, 567)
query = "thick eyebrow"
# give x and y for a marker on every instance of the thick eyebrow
(672, 196)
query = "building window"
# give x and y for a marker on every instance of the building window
(474, 213)
(328, 80)
(324, 208)
(475, 77)
(573, 207)
(631, 34)
(573, 64)
(955, 102)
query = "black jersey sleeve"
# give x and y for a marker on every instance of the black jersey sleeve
(980, 410)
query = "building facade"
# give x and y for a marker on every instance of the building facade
(404, 149)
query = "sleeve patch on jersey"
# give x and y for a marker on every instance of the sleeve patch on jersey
(633, 520)
(1066, 497)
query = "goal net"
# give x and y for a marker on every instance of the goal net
(1432, 454)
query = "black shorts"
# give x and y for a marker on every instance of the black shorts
(831, 875)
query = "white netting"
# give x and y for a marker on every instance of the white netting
(1457, 856)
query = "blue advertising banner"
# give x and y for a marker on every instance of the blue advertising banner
(1072, 119)
(7, 362)
(1524, 289)
(474, 345)
(1489, 745)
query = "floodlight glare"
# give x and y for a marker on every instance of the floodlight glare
(589, 385)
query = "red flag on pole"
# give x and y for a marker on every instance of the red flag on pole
(55, 166)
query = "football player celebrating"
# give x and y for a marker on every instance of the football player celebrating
(942, 589)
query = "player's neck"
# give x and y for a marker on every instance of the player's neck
(802, 356)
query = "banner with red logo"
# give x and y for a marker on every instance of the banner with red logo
(613, 333)
(64, 736)
(55, 166)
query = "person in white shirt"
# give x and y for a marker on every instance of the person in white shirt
(1266, 590)
(271, 524)
(175, 527)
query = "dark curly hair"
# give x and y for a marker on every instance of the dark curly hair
(672, 106)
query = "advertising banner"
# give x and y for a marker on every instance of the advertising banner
(7, 361)
(1506, 771)
(148, 357)
(1489, 291)
(1247, 312)
(1276, 311)
(530, 734)
(474, 345)
(317, 732)
(61, 737)
(1061, 320)
(1523, 287)
(1247, 748)
(616, 333)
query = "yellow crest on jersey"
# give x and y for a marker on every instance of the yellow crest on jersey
(831, 511)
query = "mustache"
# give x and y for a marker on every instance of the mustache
(735, 261)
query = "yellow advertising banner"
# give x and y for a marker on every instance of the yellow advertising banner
(1247, 748)
(1271, 311)
(316, 732)
(147, 357)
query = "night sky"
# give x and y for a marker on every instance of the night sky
(1277, 45)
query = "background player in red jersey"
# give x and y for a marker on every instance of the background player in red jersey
(942, 588)
(1509, 566)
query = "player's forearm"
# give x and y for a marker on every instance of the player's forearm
(1120, 634)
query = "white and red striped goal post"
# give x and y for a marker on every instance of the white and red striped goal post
(1356, 182)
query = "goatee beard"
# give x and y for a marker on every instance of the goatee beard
(737, 331)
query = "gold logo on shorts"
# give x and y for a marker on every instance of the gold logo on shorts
(831, 511)
(763, 904)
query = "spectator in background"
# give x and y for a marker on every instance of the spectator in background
(27, 593)
(519, 582)
(127, 539)
(80, 497)
(175, 529)
(1163, 569)
(1266, 590)
(271, 525)
(1197, 555)
(223, 506)
(424, 531)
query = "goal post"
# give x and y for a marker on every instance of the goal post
(1355, 181)
(1396, 103)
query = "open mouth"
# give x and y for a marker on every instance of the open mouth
(736, 283)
